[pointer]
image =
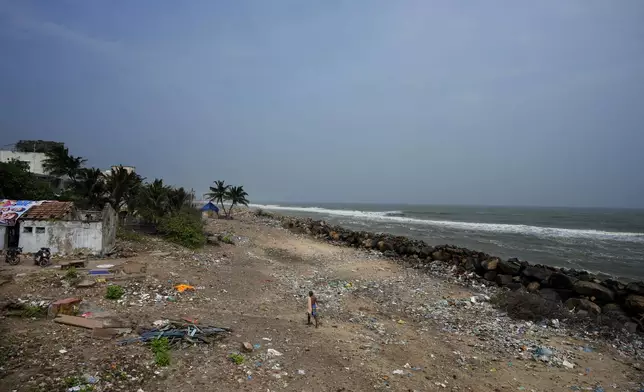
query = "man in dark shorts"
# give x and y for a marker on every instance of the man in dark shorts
(312, 309)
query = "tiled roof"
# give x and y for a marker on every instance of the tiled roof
(49, 210)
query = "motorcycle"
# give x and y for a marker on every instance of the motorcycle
(13, 255)
(43, 257)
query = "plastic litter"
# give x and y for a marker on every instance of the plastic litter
(273, 353)
(398, 371)
(183, 287)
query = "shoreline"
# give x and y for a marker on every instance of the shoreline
(586, 293)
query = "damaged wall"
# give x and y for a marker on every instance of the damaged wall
(62, 237)
(109, 228)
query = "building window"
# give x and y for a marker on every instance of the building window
(28, 230)
(40, 230)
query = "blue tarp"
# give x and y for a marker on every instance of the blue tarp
(210, 207)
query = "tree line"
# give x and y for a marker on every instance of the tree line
(89, 188)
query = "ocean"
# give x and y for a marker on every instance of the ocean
(606, 241)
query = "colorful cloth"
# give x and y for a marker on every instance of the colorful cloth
(314, 310)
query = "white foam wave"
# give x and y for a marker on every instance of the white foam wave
(538, 231)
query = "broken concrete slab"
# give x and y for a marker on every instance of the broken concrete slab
(78, 322)
(86, 283)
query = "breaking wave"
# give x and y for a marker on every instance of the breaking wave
(399, 217)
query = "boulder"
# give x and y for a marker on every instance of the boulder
(635, 288)
(591, 289)
(509, 267)
(440, 255)
(490, 275)
(384, 246)
(550, 295)
(490, 264)
(537, 273)
(559, 280)
(368, 243)
(503, 280)
(635, 303)
(469, 264)
(335, 236)
(533, 287)
(514, 286)
(565, 294)
(426, 252)
(583, 304)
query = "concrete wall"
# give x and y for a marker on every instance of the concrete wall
(62, 237)
(109, 228)
(3, 237)
(35, 159)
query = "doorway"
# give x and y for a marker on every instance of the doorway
(13, 235)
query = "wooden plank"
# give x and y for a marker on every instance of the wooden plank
(78, 322)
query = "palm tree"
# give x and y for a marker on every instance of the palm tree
(89, 188)
(59, 163)
(218, 194)
(236, 195)
(177, 199)
(153, 201)
(122, 187)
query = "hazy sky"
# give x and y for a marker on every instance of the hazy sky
(459, 102)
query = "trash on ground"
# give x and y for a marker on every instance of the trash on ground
(273, 353)
(178, 331)
(183, 287)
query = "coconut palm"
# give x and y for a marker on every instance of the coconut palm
(177, 199)
(237, 196)
(58, 162)
(122, 187)
(153, 201)
(218, 193)
(89, 189)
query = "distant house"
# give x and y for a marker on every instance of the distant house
(34, 160)
(62, 228)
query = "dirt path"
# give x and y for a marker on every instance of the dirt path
(383, 327)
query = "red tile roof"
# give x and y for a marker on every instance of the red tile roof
(49, 210)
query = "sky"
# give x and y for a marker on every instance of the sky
(422, 102)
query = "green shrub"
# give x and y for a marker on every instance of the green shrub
(237, 359)
(129, 235)
(33, 311)
(226, 239)
(114, 292)
(161, 349)
(71, 274)
(184, 228)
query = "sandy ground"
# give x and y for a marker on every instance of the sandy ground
(369, 326)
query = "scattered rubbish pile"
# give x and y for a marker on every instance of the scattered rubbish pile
(179, 331)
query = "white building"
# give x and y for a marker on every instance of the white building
(59, 226)
(33, 159)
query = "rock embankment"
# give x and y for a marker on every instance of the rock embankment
(580, 291)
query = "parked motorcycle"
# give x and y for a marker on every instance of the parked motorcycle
(12, 256)
(42, 257)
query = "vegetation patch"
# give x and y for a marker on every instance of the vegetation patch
(237, 359)
(226, 238)
(184, 228)
(129, 235)
(161, 349)
(114, 292)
